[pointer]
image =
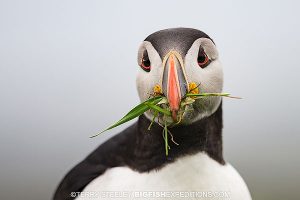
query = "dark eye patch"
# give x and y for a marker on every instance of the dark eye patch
(202, 58)
(146, 64)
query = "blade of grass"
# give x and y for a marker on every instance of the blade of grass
(154, 116)
(159, 109)
(135, 112)
(211, 94)
(166, 139)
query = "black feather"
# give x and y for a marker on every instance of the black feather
(143, 150)
(180, 39)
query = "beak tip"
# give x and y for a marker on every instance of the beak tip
(174, 115)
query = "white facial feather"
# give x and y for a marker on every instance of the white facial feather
(210, 78)
(147, 80)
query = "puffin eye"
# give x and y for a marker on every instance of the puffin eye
(202, 58)
(146, 64)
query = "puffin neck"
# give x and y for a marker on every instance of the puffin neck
(204, 135)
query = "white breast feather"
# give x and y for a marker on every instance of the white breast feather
(191, 173)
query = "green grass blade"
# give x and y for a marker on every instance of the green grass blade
(135, 112)
(159, 109)
(211, 94)
(153, 119)
(166, 139)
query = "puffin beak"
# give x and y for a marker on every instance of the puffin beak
(174, 81)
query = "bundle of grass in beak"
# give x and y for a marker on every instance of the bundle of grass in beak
(159, 106)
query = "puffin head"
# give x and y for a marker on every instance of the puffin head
(178, 61)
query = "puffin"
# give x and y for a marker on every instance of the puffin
(133, 164)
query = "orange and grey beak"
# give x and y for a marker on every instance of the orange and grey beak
(174, 82)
